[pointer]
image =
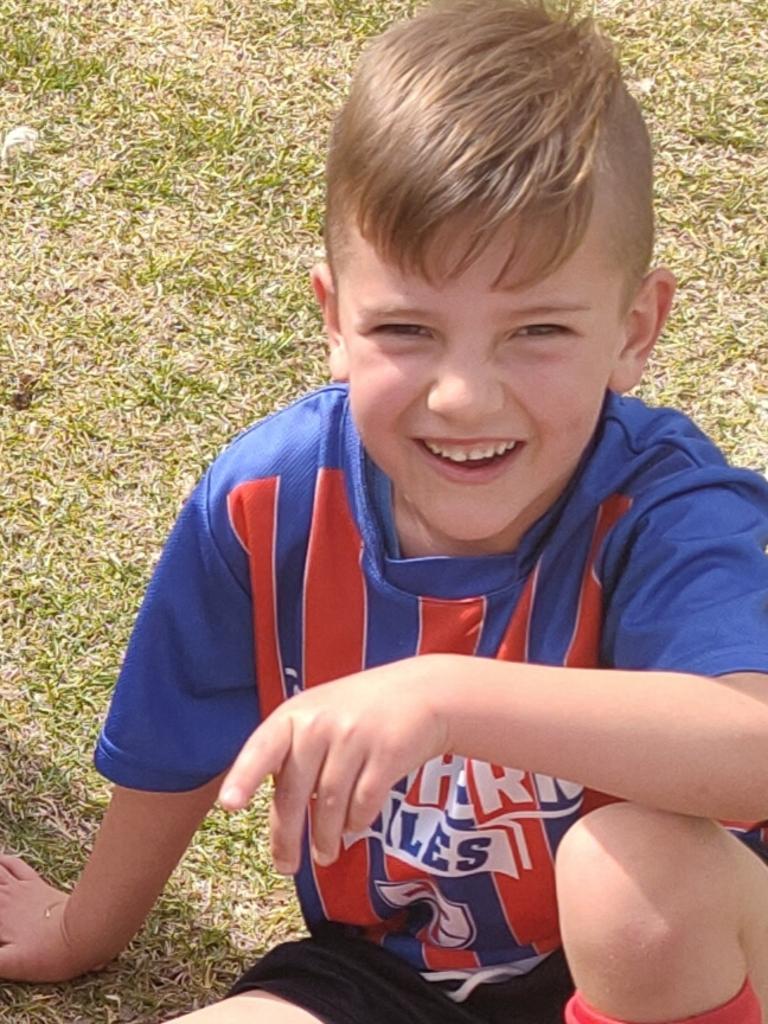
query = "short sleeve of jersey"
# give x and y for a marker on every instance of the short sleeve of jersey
(686, 573)
(186, 696)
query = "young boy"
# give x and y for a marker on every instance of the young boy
(538, 609)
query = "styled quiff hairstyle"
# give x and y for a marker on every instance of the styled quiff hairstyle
(493, 116)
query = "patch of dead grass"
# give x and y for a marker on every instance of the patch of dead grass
(154, 256)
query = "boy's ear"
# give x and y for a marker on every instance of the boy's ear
(325, 292)
(643, 323)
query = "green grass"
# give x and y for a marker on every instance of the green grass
(153, 300)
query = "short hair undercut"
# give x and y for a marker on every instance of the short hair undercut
(495, 115)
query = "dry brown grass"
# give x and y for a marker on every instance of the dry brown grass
(154, 256)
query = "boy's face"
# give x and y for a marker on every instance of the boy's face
(477, 401)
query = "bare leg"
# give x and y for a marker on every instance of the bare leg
(250, 1008)
(662, 915)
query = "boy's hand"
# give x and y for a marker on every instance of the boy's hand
(33, 941)
(340, 745)
(47, 935)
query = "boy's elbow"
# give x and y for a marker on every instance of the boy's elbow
(749, 789)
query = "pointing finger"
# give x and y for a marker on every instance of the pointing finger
(262, 756)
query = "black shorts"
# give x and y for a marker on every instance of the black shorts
(347, 980)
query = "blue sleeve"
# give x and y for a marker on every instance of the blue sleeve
(186, 697)
(686, 578)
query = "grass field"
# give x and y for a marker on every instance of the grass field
(154, 251)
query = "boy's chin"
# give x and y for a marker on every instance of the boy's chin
(460, 539)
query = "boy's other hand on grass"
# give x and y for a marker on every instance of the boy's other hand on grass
(33, 940)
(340, 746)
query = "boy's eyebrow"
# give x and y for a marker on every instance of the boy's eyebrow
(546, 308)
(382, 312)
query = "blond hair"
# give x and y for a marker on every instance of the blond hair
(491, 115)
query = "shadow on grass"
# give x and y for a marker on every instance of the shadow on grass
(182, 959)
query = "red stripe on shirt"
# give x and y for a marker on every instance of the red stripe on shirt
(439, 958)
(334, 586)
(514, 644)
(252, 510)
(528, 901)
(343, 886)
(584, 648)
(334, 646)
(450, 627)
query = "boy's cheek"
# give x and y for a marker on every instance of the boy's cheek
(381, 389)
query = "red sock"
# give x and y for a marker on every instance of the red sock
(744, 1008)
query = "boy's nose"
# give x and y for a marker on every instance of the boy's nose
(467, 393)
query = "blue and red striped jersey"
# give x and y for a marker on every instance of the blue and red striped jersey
(278, 577)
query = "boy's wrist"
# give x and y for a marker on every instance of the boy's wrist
(77, 958)
(451, 701)
(73, 962)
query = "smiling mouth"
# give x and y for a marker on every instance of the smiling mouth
(475, 457)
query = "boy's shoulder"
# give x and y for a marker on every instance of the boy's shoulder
(644, 452)
(659, 482)
(681, 565)
(309, 432)
(270, 471)
(671, 485)
(642, 428)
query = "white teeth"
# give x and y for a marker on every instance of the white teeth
(457, 454)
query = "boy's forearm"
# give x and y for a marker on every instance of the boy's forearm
(670, 740)
(142, 838)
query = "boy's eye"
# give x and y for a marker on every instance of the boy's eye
(541, 330)
(404, 330)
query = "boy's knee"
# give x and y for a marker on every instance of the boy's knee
(649, 915)
(635, 879)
